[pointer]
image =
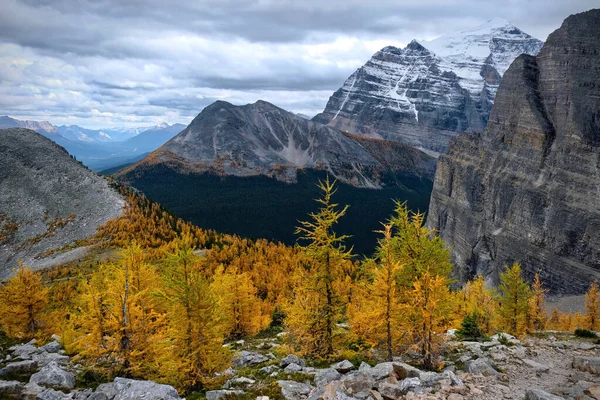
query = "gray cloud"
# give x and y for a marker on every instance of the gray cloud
(126, 62)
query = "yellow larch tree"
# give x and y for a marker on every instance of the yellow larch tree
(22, 303)
(592, 306)
(515, 294)
(192, 352)
(319, 295)
(480, 301)
(376, 313)
(536, 314)
(238, 303)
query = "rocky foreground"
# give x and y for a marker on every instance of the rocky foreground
(552, 365)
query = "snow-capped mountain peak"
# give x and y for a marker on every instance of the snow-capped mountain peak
(429, 91)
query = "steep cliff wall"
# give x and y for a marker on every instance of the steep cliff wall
(528, 188)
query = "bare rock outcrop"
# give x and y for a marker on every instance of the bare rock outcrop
(526, 189)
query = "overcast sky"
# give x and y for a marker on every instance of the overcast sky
(101, 63)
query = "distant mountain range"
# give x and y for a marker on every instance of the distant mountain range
(102, 148)
(430, 91)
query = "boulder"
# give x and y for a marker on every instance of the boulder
(343, 366)
(97, 396)
(587, 364)
(51, 394)
(293, 367)
(247, 359)
(292, 359)
(220, 394)
(390, 391)
(324, 376)
(20, 367)
(24, 351)
(536, 394)
(536, 365)
(12, 388)
(292, 390)
(53, 376)
(404, 370)
(364, 367)
(454, 380)
(269, 369)
(410, 385)
(357, 381)
(130, 389)
(480, 366)
(240, 381)
(52, 347)
(44, 358)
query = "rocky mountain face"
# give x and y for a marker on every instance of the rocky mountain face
(262, 139)
(527, 188)
(430, 91)
(48, 200)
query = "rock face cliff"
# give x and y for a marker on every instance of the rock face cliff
(430, 91)
(528, 188)
(262, 139)
(48, 200)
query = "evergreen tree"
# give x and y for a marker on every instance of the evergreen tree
(537, 313)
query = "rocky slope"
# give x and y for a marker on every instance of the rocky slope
(262, 139)
(47, 199)
(429, 92)
(527, 188)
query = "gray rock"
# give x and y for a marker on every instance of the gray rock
(98, 396)
(536, 365)
(357, 381)
(429, 378)
(10, 388)
(410, 385)
(44, 358)
(292, 359)
(246, 358)
(292, 390)
(535, 394)
(454, 380)
(129, 389)
(20, 367)
(239, 381)
(269, 369)
(364, 366)
(404, 370)
(24, 351)
(587, 364)
(293, 367)
(324, 376)
(40, 180)
(51, 394)
(391, 391)
(486, 181)
(587, 346)
(343, 366)
(480, 366)
(220, 394)
(52, 347)
(53, 376)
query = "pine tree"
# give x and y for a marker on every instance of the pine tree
(376, 313)
(592, 306)
(318, 300)
(22, 304)
(514, 300)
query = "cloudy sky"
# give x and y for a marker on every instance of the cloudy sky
(101, 63)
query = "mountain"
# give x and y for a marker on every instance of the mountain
(430, 91)
(43, 127)
(252, 170)
(262, 139)
(526, 189)
(48, 200)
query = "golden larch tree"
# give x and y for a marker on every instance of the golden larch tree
(592, 306)
(515, 294)
(22, 303)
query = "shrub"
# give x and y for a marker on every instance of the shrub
(585, 333)
(469, 328)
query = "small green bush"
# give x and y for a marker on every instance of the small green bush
(469, 328)
(585, 333)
